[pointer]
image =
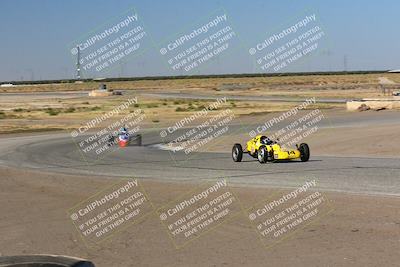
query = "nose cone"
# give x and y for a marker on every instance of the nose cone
(123, 143)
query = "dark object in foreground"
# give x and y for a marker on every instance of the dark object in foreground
(43, 261)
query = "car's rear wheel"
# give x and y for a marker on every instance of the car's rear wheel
(304, 152)
(262, 154)
(237, 153)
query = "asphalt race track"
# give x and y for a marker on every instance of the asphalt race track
(59, 153)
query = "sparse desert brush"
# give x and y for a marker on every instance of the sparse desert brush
(52, 112)
(70, 110)
(152, 105)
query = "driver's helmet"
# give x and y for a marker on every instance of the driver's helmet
(265, 140)
(123, 130)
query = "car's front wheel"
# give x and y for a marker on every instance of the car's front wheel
(262, 154)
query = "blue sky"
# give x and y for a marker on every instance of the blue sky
(35, 35)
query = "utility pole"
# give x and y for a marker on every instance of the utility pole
(78, 63)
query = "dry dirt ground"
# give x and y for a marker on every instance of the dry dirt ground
(360, 230)
(46, 107)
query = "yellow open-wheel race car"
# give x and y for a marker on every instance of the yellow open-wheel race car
(266, 150)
